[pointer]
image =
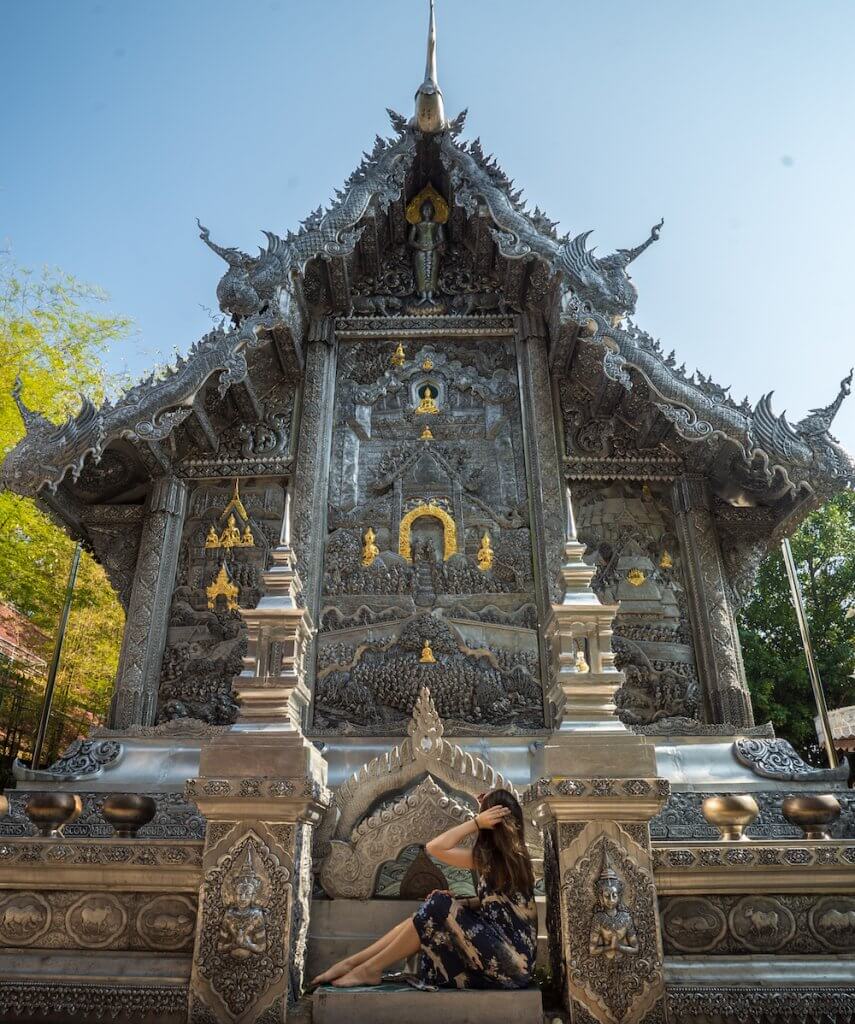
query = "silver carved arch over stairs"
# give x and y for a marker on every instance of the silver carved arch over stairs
(405, 796)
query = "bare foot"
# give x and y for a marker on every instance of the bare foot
(360, 975)
(331, 973)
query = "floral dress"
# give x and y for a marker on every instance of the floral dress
(488, 942)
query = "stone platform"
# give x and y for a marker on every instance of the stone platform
(394, 1004)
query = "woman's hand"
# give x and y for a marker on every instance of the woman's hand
(491, 817)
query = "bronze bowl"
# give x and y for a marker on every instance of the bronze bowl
(50, 811)
(128, 812)
(812, 813)
(730, 814)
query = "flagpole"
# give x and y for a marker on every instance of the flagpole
(813, 671)
(54, 665)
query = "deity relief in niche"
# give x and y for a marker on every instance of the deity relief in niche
(243, 928)
(612, 928)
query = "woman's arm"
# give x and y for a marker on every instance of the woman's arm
(445, 847)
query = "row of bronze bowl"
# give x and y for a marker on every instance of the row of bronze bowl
(813, 813)
(49, 812)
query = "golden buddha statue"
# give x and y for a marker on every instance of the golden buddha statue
(427, 406)
(427, 657)
(485, 553)
(369, 548)
(426, 434)
(230, 537)
(398, 356)
(247, 540)
(666, 561)
(212, 540)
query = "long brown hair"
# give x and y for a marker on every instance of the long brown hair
(500, 855)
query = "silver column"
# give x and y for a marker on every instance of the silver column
(135, 695)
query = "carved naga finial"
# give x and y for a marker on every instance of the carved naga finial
(626, 256)
(818, 421)
(32, 420)
(234, 257)
(430, 110)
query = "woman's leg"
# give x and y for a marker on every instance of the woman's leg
(404, 943)
(349, 962)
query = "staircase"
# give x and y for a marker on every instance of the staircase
(400, 1004)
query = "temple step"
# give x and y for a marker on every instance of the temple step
(394, 1004)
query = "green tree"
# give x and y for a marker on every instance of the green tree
(824, 552)
(54, 335)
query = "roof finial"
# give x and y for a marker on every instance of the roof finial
(430, 112)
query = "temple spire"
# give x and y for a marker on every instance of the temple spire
(430, 112)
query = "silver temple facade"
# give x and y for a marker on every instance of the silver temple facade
(427, 512)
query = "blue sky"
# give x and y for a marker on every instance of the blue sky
(734, 121)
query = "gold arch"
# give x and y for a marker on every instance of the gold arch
(449, 530)
(440, 206)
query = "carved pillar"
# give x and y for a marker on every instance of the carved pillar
(714, 630)
(311, 476)
(602, 913)
(261, 794)
(135, 694)
(545, 483)
(272, 686)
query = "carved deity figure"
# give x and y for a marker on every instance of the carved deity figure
(485, 554)
(247, 540)
(212, 540)
(243, 929)
(427, 657)
(612, 928)
(426, 239)
(369, 548)
(398, 356)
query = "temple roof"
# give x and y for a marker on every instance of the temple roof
(341, 256)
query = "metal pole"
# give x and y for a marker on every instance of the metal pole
(54, 665)
(813, 671)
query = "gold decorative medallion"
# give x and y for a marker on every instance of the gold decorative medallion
(427, 364)
(440, 206)
(635, 577)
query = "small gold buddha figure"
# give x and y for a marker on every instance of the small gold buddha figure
(230, 537)
(369, 548)
(426, 434)
(612, 928)
(398, 356)
(427, 406)
(666, 561)
(427, 657)
(212, 540)
(581, 665)
(243, 929)
(247, 540)
(485, 553)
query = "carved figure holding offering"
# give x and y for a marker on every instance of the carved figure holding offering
(612, 928)
(426, 239)
(243, 928)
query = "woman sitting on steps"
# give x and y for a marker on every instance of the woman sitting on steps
(486, 942)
